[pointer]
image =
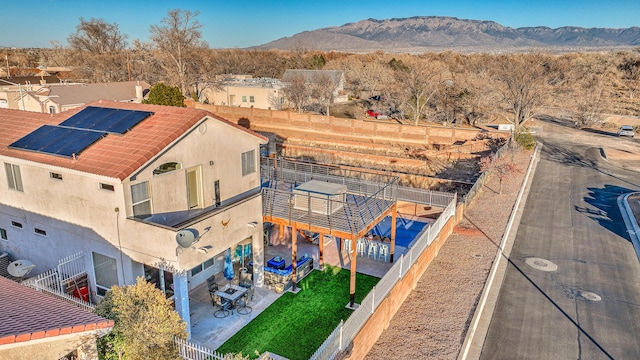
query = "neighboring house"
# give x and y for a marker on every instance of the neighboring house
(245, 91)
(311, 76)
(36, 325)
(57, 98)
(127, 196)
(12, 89)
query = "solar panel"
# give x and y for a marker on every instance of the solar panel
(116, 121)
(57, 140)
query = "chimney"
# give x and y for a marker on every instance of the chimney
(139, 92)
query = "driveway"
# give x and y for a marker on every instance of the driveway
(572, 288)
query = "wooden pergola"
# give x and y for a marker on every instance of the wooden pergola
(328, 204)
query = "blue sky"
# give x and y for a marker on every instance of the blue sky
(251, 22)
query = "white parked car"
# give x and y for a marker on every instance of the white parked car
(626, 130)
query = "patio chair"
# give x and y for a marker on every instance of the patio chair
(242, 305)
(213, 285)
(373, 250)
(222, 307)
(361, 247)
(383, 252)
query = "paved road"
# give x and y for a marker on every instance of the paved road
(589, 306)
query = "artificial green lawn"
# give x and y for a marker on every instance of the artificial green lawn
(295, 325)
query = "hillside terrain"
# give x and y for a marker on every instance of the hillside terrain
(429, 33)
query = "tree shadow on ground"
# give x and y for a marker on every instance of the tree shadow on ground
(604, 208)
(564, 155)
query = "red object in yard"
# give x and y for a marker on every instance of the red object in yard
(82, 293)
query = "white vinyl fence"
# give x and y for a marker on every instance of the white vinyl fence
(346, 331)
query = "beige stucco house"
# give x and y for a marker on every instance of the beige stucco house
(245, 91)
(124, 194)
(46, 94)
(14, 89)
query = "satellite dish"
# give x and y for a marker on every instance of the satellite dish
(20, 268)
(186, 238)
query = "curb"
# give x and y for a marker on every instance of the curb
(630, 221)
(475, 337)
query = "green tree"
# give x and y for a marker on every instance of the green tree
(163, 94)
(144, 323)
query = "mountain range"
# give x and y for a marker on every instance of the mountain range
(429, 33)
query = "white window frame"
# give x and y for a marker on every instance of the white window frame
(3, 234)
(56, 176)
(252, 99)
(244, 98)
(142, 201)
(101, 289)
(14, 177)
(248, 162)
(39, 231)
(202, 266)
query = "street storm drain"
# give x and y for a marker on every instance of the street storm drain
(588, 295)
(541, 264)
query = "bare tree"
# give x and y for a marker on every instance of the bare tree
(178, 38)
(420, 83)
(323, 90)
(97, 36)
(526, 81)
(296, 91)
(502, 167)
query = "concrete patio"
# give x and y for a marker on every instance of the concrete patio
(212, 332)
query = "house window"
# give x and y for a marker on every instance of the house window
(55, 176)
(106, 187)
(201, 267)
(105, 271)
(3, 234)
(244, 98)
(167, 167)
(141, 200)
(248, 162)
(16, 224)
(193, 187)
(52, 109)
(252, 99)
(39, 231)
(13, 176)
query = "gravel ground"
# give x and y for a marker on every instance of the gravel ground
(432, 322)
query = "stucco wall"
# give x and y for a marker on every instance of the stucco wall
(376, 131)
(381, 318)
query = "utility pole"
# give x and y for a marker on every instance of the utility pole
(6, 58)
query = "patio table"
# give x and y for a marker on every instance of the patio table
(237, 293)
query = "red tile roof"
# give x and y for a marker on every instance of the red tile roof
(116, 156)
(27, 314)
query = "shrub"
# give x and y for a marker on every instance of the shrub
(524, 138)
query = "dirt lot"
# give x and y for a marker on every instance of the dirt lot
(432, 322)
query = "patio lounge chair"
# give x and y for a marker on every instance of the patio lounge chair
(222, 307)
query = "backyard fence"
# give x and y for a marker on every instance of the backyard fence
(190, 351)
(484, 177)
(346, 331)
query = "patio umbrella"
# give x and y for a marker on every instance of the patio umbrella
(228, 265)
